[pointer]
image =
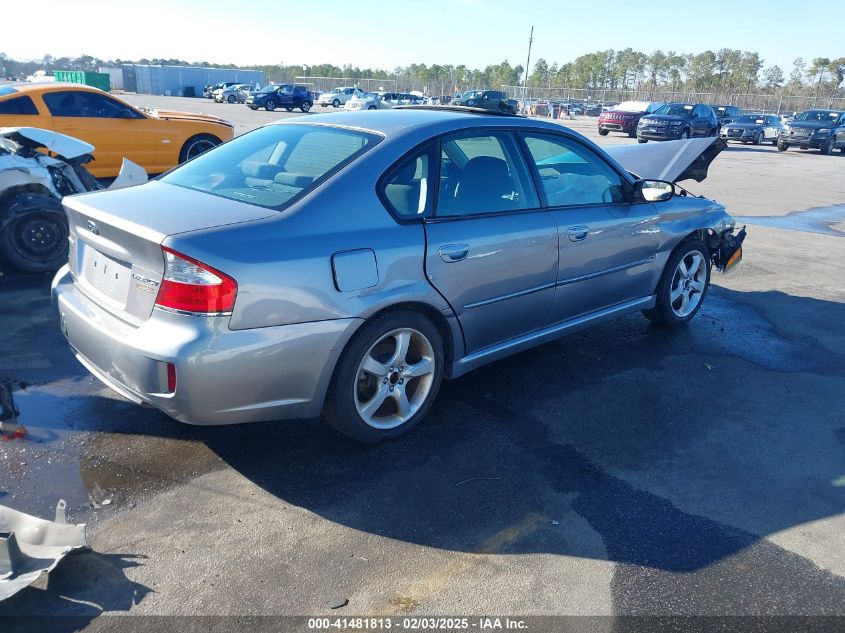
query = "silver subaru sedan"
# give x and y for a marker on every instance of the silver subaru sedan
(345, 264)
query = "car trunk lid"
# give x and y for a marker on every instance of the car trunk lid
(116, 239)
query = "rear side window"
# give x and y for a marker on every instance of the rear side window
(18, 105)
(272, 166)
(408, 189)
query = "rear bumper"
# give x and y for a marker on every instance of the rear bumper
(223, 376)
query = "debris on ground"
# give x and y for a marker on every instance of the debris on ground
(30, 546)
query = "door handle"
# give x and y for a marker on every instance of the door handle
(453, 252)
(578, 233)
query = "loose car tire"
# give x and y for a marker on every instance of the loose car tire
(33, 233)
(379, 391)
(603, 132)
(678, 289)
(197, 145)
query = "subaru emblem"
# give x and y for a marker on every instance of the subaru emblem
(92, 226)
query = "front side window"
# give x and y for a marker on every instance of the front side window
(571, 175)
(79, 103)
(483, 173)
(274, 165)
(18, 105)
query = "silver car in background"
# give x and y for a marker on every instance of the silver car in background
(233, 94)
(345, 264)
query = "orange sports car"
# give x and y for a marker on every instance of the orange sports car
(155, 139)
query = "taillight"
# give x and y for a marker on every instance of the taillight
(191, 286)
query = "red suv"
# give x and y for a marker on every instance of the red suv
(625, 116)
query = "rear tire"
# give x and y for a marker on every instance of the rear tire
(305, 107)
(366, 399)
(336, 103)
(270, 106)
(34, 233)
(679, 294)
(231, 98)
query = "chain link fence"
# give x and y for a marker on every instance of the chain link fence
(769, 103)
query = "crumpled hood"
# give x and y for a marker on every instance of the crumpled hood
(61, 144)
(671, 161)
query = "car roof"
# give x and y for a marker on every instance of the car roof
(437, 119)
(52, 87)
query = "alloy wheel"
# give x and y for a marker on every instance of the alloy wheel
(688, 284)
(394, 378)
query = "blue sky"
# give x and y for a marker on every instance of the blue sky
(389, 33)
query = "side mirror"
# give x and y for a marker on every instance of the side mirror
(654, 190)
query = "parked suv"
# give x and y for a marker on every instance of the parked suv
(819, 129)
(338, 96)
(726, 113)
(487, 99)
(625, 116)
(677, 121)
(287, 96)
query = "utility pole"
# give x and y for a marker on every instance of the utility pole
(527, 66)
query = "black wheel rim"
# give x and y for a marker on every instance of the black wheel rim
(198, 147)
(38, 237)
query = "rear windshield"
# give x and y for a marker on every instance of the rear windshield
(273, 165)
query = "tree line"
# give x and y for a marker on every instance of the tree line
(723, 71)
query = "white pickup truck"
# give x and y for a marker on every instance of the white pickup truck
(338, 96)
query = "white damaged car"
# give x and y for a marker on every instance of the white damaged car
(339, 96)
(33, 225)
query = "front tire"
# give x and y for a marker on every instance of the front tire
(197, 145)
(642, 140)
(34, 234)
(387, 378)
(759, 140)
(684, 135)
(782, 147)
(683, 284)
(603, 132)
(827, 150)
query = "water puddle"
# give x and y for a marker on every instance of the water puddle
(98, 453)
(816, 220)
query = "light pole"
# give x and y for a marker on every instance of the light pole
(527, 66)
